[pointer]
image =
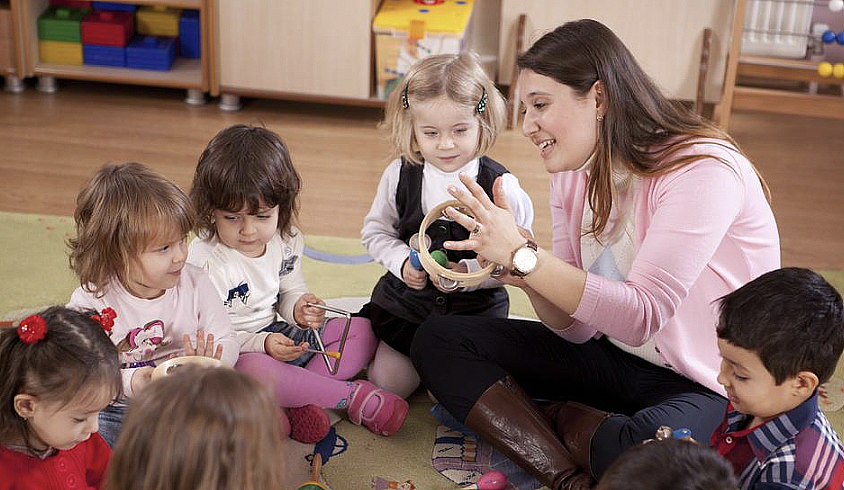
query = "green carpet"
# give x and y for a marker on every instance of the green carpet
(36, 274)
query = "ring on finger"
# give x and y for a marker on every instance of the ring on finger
(477, 229)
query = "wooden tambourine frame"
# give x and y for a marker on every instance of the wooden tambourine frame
(453, 280)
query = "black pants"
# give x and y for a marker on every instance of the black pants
(459, 357)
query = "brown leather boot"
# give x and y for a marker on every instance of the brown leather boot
(576, 424)
(507, 417)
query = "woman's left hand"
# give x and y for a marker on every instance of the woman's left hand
(493, 231)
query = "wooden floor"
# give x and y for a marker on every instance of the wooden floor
(50, 144)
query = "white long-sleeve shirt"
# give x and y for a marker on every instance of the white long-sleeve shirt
(274, 282)
(152, 329)
(380, 233)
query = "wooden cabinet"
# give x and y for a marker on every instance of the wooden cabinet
(11, 47)
(306, 49)
(190, 74)
(665, 36)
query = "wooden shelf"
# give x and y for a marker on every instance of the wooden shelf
(185, 73)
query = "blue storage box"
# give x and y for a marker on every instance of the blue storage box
(151, 52)
(128, 7)
(103, 55)
(189, 37)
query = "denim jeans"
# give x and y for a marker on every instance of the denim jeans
(110, 420)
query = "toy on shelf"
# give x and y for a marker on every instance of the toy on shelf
(158, 20)
(128, 7)
(78, 4)
(189, 37)
(409, 30)
(107, 28)
(151, 53)
(826, 69)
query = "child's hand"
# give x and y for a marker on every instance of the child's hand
(308, 316)
(281, 348)
(141, 378)
(414, 278)
(204, 345)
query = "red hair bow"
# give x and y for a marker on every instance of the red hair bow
(32, 329)
(106, 318)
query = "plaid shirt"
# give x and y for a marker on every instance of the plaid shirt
(797, 449)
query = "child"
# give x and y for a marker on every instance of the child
(58, 369)
(780, 336)
(200, 428)
(442, 119)
(129, 255)
(245, 191)
(670, 464)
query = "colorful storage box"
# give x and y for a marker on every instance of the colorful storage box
(189, 37)
(151, 52)
(407, 31)
(60, 52)
(158, 20)
(104, 55)
(128, 7)
(107, 28)
(61, 24)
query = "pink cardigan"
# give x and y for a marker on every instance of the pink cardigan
(700, 232)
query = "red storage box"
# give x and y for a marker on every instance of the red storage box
(107, 28)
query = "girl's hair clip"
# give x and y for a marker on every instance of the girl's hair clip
(106, 319)
(404, 103)
(32, 329)
(482, 103)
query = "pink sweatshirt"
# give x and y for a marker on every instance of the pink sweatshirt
(701, 232)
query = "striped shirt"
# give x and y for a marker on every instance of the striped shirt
(797, 449)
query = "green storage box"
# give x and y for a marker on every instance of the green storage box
(61, 24)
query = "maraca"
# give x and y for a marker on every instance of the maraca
(491, 480)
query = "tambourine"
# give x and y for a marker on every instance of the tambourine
(170, 366)
(450, 280)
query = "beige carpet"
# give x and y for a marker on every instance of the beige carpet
(35, 272)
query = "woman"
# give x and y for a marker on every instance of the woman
(656, 214)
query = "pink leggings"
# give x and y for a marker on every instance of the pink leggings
(296, 386)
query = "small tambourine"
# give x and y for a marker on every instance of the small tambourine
(171, 366)
(450, 280)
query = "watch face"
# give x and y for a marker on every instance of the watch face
(524, 260)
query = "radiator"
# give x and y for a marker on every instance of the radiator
(777, 28)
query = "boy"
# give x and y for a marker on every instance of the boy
(780, 336)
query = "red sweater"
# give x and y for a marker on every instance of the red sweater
(81, 467)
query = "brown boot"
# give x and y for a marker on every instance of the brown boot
(507, 417)
(576, 424)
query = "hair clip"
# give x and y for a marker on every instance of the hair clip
(106, 319)
(404, 97)
(482, 102)
(32, 329)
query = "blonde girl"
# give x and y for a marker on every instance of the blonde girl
(58, 369)
(245, 191)
(200, 428)
(442, 119)
(129, 254)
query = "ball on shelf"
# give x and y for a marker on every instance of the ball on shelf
(836, 5)
(825, 69)
(828, 36)
(838, 70)
(839, 38)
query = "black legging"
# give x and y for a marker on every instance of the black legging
(459, 357)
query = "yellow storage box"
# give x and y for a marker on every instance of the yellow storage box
(409, 30)
(60, 52)
(157, 20)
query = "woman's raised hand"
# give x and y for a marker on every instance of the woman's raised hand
(493, 231)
